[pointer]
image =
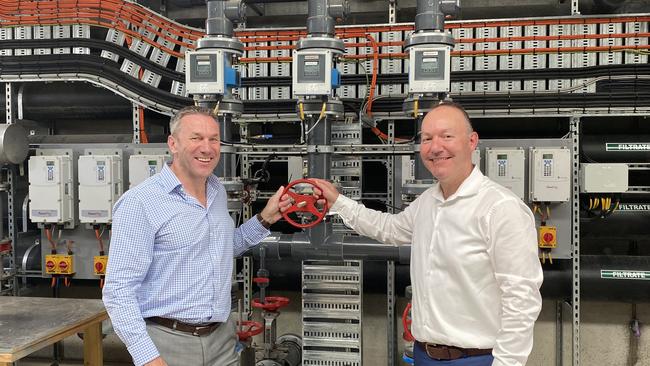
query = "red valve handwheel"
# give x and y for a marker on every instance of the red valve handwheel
(249, 328)
(406, 323)
(271, 303)
(304, 203)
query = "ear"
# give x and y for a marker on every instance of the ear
(473, 140)
(172, 144)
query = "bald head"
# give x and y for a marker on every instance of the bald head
(453, 109)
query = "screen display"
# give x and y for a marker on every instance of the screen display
(429, 65)
(311, 68)
(547, 156)
(203, 66)
(502, 156)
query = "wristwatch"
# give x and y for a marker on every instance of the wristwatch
(264, 223)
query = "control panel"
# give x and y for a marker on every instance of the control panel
(550, 172)
(100, 185)
(429, 69)
(141, 167)
(604, 178)
(208, 72)
(507, 167)
(314, 72)
(51, 189)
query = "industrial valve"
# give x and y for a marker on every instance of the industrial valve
(304, 203)
(271, 303)
(248, 329)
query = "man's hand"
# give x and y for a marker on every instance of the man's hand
(272, 212)
(158, 361)
(328, 190)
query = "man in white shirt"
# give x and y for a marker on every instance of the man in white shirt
(474, 263)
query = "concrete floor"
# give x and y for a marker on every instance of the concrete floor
(605, 335)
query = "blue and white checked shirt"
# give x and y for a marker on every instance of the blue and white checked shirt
(171, 257)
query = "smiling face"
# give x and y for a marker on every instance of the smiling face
(447, 143)
(195, 146)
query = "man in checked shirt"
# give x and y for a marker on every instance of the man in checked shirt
(169, 271)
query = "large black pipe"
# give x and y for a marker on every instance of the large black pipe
(284, 256)
(615, 148)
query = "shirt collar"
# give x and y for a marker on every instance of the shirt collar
(469, 187)
(168, 179)
(171, 182)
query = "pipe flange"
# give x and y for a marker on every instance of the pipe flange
(429, 38)
(424, 104)
(330, 43)
(333, 107)
(230, 106)
(232, 185)
(233, 45)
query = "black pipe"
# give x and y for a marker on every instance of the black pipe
(557, 277)
(615, 148)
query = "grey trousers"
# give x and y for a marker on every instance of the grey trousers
(183, 349)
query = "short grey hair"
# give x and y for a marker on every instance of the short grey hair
(174, 123)
(458, 107)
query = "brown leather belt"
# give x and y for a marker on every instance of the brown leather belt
(442, 353)
(195, 330)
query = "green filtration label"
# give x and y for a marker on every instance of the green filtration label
(619, 146)
(610, 274)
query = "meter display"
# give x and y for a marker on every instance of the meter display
(429, 65)
(311, 68)
(203, 66)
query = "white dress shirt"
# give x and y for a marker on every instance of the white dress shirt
(475, 269)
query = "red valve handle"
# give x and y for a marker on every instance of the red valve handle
(304, 203)
(406, 323)
(249, 329)
(271, 303)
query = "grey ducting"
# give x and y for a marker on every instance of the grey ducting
(321, 15)
(222, 14)
(336, 247)
(431, 14)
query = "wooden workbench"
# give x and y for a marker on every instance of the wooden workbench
(28, 324)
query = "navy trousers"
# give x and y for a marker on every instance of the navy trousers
(422, 359)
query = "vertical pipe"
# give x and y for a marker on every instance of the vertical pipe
(429, 16)
(226, 167)
(320, 164)
(420, 172)
(319, 22)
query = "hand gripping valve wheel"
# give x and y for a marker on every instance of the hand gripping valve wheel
(304, 203)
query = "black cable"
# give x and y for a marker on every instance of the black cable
(95, 44)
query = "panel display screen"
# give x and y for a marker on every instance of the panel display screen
(311, 69)
(203, 66)
(502, 156)
(547, 156)
(429, 65)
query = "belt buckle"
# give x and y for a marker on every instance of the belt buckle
(198, 329)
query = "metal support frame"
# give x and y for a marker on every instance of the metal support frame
(11, 226)
(392, 11)
(9, 109)
(136, 123)
(575, 242)
(390, 265)
(575, 7)
(247, 273)
(558, 332)
(245, 171)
